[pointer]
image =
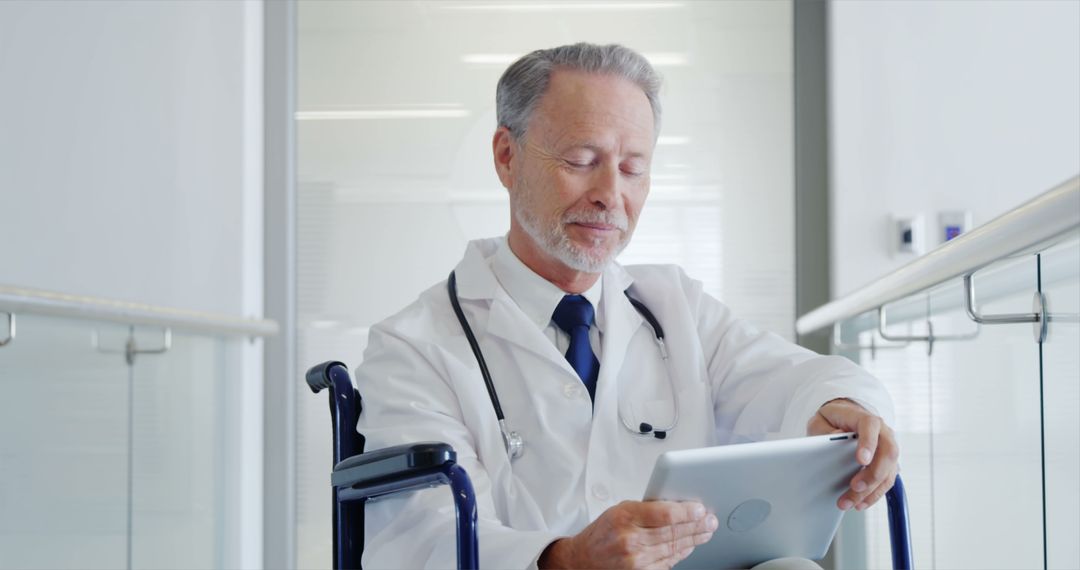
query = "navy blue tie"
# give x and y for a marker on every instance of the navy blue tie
(575, 315)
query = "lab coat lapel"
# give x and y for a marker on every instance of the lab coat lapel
(505, 320)
(622, 322)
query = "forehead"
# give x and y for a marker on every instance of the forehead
(580, 107)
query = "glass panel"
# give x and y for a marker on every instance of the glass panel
(986, 456)
(63, 457)
(904, 368)
(1060, 274)
(178, 488)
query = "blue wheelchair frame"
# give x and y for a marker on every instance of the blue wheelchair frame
(358, 477)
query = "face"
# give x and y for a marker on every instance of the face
(579, 178)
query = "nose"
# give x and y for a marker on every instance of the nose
(605, 191)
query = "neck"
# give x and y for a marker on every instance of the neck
(540, 262)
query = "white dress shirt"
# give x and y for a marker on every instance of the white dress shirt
(537, 298)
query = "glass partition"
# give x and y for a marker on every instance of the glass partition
(64, 456)
(904, 367)
(987, 420)
(1060, 280)
(986, 427)
(107, 464)
(178, 453)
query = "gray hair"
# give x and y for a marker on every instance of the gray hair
(525, 81)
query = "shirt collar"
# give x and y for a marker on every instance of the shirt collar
(535, 296)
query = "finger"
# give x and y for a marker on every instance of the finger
(882, 467)
(877, 494)
(868, 479)
(658, 514)
(673, 551)
(818, 425)
(884, 462)
(679, 531)
(868, 429)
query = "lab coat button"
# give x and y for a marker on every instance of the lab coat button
(600, 492)
(572, 391)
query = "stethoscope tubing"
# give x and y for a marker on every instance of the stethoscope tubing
(451, 285)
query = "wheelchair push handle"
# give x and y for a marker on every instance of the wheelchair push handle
(327, 375)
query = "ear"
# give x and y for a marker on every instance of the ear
(503, 148)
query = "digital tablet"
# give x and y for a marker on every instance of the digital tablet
(773, 499)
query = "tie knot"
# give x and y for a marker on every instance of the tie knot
(573, 311)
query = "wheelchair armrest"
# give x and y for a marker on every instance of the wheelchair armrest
(400, 462)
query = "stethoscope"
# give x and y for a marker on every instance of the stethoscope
(515, 445)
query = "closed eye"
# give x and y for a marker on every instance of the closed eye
(579, 164)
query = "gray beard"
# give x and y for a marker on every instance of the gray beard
(554, 241)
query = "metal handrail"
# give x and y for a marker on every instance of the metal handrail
(20, 300)
(1027, 228)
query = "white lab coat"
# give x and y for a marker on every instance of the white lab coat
(420, 381)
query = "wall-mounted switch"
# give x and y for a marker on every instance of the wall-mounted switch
(908, 235)
(953, 223)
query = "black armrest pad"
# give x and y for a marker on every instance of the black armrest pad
(392, 462)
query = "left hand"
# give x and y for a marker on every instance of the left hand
(878, 451)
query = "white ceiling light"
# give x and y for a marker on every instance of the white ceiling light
(672, 140)
(663, 59)
(667, 59)
(369, 114)
(567, 7)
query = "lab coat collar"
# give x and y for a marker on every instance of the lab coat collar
(476, 281)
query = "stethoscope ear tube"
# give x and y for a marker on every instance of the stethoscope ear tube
(512, 440)
(451, 286)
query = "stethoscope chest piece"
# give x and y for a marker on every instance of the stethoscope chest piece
(515, 445)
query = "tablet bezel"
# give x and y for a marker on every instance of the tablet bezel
(801, 479)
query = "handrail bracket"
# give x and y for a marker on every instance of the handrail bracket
(1038, 317)
(930, 338)
(131, 348)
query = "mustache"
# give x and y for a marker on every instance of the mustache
(612, 218)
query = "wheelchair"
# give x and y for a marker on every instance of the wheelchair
(358, 477)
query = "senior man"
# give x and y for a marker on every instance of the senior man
(576, 365)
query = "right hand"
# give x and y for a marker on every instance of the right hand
(634, 534)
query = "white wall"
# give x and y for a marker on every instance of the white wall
(969, 105)
(122, 165)
(131, 169)
(944, 105)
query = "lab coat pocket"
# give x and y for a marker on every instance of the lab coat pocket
(658, 413)
(689, 425)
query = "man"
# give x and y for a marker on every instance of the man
(577, 127)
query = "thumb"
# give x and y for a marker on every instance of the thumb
(841, 415)
(819, 425)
